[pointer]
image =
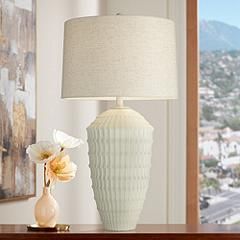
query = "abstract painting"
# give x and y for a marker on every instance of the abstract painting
(17, 97)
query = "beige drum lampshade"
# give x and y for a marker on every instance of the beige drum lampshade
(133, 57)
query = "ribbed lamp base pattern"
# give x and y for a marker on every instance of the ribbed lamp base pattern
(120, 149)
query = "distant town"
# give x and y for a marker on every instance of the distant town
(219, 137)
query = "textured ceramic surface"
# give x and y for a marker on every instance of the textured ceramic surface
(120, 147)
(46, 209)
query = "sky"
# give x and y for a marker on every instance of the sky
(227, 11)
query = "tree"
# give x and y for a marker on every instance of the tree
(208, 113)
(210, 183)
(237, 172)
(232, 122)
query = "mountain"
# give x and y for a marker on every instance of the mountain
(216, 35)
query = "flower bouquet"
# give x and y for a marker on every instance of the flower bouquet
(57, 167)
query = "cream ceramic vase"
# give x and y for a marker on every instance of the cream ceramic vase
(120, 148)
(46, 209)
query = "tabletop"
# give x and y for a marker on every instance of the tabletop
(142, 232)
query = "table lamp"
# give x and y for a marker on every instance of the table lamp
(119, 58)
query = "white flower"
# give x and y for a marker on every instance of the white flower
(43, 151)
(66, 141)
(61, 169)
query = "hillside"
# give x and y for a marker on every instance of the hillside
(216, 35)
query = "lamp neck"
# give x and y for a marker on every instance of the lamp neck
(119, 102)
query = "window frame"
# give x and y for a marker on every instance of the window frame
(192, 210)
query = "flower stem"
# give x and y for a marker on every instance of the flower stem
(45, 180)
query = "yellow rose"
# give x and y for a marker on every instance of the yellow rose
(61, 169)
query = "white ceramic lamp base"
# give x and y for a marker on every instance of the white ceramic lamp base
(120, 148)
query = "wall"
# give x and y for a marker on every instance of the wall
(177, 122)
(75, 198)
(165, 202)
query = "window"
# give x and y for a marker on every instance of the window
(213, 118)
